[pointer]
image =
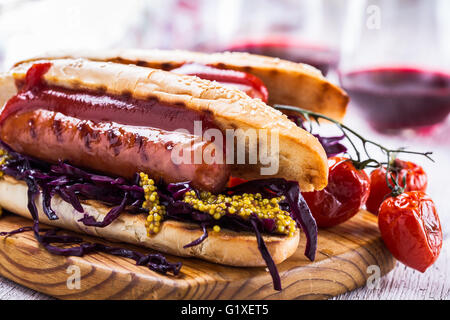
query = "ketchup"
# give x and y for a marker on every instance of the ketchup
(35, 74)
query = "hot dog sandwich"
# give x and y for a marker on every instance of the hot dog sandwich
(274, 80)
(123, 152)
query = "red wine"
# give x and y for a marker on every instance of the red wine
(321, 58)
(397, 98)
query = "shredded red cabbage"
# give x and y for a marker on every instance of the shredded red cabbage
(110, 217)
(266, 255)
(199, 240)
(331, 145)
(10, 233)
(72, 184)
(20, 168)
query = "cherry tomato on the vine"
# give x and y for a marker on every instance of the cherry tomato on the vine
(345, 194)
(416, 180)
(410, 228)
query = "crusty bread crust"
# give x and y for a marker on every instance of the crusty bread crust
(224, 247)
(288, 83)
(7, 88)
(301, 156)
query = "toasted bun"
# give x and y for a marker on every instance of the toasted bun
(301, 156)
(224, 247)
(287, 82)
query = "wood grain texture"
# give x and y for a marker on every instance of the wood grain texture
(344, 253)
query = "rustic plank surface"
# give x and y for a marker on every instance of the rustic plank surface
(344, 253)
(401, 283)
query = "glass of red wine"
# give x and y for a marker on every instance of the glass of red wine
(394, 64)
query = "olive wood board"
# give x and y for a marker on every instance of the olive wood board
(341, 265)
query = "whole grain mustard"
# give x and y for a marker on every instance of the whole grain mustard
(156, 211)
(217, 206)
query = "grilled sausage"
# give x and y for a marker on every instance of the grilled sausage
(112, 148)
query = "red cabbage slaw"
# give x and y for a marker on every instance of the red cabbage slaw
(331, 145)
(72, 184)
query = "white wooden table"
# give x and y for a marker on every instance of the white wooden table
(402, 282)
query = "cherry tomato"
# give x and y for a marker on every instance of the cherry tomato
(410, 228)
(345, 194)
(416, 180)
(250, 84)
(235, 181)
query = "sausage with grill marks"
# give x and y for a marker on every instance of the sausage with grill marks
(112, 148)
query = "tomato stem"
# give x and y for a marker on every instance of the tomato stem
(360, 163)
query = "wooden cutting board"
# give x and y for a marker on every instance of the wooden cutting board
(344, 254)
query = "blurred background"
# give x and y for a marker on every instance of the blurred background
(391, 56)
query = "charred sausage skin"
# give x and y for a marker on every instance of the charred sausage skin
(111, 148)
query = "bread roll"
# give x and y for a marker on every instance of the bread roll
(288, 83)
(224, 247)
